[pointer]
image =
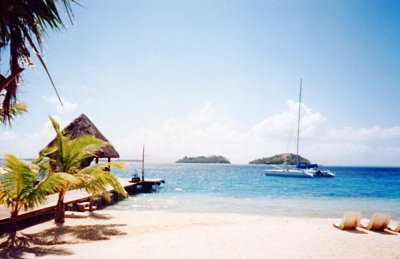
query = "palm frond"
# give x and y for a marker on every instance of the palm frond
(95, 179)
(15, 110)
(85, 147)
(60, 142)
(18, 180)
(51, 184)
(23, 25)
(71, 154)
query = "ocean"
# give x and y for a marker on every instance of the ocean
(220, 188)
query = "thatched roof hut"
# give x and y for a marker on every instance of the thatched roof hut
(83, 126)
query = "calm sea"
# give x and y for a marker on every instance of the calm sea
(245, 189)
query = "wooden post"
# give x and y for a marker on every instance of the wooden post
(91, 204)
(97, 160)
(115, 196)
(143, 164)
(108, 166)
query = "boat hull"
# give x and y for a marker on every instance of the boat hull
(324, 174)
(300, 173)
(289, 173)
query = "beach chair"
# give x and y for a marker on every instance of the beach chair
(396, 229)
(350, 221)
(378, 222)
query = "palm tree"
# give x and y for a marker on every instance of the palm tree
(15, 110)
(25, 185)
(68, 156)
(23, 23)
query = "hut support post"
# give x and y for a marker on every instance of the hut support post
(108, 165)
(91, 204)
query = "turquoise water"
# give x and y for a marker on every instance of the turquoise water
(245, 189)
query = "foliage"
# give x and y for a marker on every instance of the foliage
(15, 110)
(23, 24)
(25, 185)
(280, 159)
(203, 159)
(68, 155)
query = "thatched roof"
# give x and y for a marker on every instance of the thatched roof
(83, 126)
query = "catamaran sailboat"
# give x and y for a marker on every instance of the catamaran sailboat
(288, 171)
(299, 170)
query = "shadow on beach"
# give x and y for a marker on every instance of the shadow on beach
(17, 244)
(355, 231)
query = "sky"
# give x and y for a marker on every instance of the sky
(191, 78)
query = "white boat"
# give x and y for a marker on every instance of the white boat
(298, 170)
(287, 171)
(301, 170)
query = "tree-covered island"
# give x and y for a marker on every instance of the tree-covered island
(203, 159)
(287, 158)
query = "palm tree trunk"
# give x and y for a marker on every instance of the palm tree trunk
(59, 215)
(13, 218)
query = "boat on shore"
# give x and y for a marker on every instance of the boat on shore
(299, 170)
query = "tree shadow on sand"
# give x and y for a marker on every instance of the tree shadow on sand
(18, 244)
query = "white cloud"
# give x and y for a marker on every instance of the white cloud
(67, 105)
(205, 132)
(8, 136)
(23, 144)
(363, 134)
(348, 153)
(362, 146)
(285, 124)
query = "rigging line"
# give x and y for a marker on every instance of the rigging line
(290, 139)
(298, 124)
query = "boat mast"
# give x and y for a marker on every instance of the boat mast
(143, 164)
(298, 125)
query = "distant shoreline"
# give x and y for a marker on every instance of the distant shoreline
(204, 160)
(238, 164)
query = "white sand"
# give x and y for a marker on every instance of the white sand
(191, 235)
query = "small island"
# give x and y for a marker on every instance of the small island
(280, 159)
(203, 159)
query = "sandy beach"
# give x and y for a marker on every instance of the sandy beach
(155, 234)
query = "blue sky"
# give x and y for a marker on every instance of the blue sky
(222, 77)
